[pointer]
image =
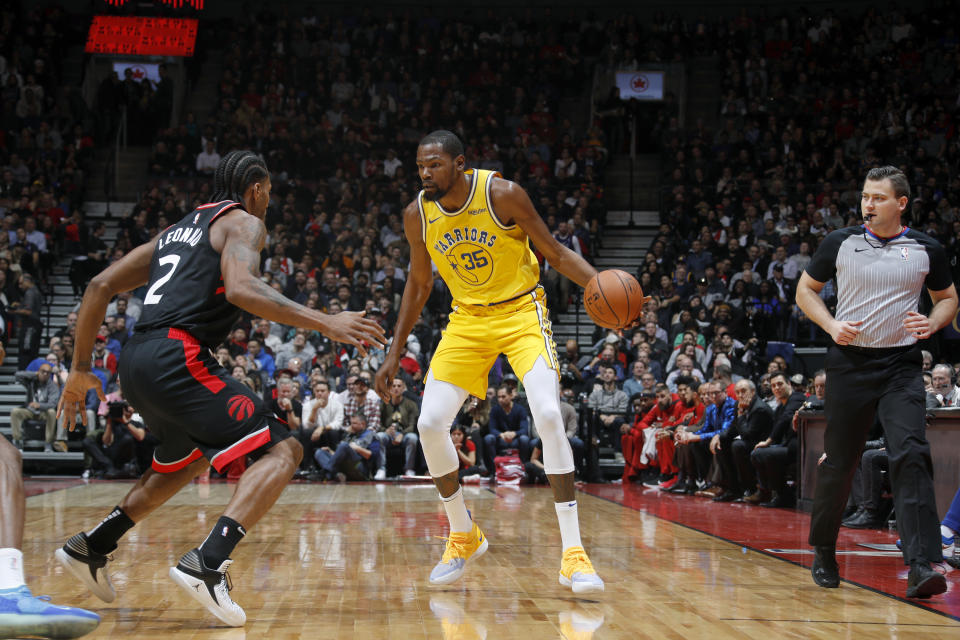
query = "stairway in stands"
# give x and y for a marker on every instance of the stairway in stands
(632, 222)
(58, 302)
(622, 246)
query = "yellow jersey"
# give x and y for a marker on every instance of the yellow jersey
(482, 260)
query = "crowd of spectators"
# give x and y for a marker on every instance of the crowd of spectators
(807, 106)
(46, 149)
(744, 207)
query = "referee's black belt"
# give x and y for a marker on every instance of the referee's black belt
(875, 351)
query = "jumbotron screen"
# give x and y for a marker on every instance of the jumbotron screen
(141, 36)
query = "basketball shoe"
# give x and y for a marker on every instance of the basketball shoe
(23, 615)
(87, 565)
(577, 572)
(461, 549)
(209, 587)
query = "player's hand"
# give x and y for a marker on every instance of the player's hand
(715, 445)
(74, 394)
(351, 327)
(636, 322)
(918, 325)
(385, 375)
(844, 332)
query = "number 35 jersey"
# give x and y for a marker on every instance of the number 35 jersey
(186, 287)
(482, 260)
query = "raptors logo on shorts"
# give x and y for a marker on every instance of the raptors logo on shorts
(240, 407)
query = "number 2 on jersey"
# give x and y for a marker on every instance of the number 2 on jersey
(152, 297)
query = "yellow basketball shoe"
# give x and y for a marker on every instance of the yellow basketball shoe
(461, 548)
(578, 573)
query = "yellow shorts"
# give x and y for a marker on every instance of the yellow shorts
(476, 335)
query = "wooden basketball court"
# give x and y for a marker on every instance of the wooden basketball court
(351, 561)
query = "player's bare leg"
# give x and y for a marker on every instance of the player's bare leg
(21, 614)
(202, 572)
(86, 554)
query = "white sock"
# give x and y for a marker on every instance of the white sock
(569, 524)
(946, 531)
(11, 569)
(457, 512)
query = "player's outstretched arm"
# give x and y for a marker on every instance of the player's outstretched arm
(513, 206)
(239, 237)
(415, 294)
(130, 272)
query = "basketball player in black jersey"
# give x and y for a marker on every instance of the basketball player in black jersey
(200, 275)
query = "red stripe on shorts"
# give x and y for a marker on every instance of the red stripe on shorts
(250, 443)
(170, 467)
(191, 349)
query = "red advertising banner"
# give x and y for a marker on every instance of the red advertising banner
(141, 36)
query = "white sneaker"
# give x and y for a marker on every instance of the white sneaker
(409, 473)
(87, 566)
(209, 587)
(381, 474)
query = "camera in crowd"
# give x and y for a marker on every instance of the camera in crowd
(115, 409)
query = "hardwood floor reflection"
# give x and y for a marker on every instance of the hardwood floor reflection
(351, 561)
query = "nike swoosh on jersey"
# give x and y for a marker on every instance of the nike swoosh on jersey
(434, 220)
(859, 250)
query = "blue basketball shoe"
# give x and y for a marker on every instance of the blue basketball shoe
(23, 615)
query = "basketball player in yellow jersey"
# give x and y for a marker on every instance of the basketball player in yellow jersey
(476, 228)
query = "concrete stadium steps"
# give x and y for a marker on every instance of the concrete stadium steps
(622, 247)
(646, 182)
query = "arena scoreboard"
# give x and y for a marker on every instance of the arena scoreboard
(142, 36)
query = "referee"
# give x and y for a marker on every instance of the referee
(874, 366)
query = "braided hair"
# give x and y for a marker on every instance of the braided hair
(235, 173)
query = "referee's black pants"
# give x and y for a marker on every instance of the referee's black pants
(861, 384)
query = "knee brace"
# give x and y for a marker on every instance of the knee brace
(441, 401)
(543, 393)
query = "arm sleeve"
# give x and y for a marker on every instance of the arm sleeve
(823, 266)
(939, 277)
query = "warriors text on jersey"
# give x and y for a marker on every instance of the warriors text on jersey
(482, 260)
(186, 287)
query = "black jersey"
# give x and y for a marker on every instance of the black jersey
(186, 287)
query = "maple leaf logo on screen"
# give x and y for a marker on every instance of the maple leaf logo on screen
(139, 73)
(639, 83)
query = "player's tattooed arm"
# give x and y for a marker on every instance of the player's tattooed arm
(239, 241)
(240, 265)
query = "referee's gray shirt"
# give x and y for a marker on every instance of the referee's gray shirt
(880, 279)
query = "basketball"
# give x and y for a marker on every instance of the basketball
(613, 299)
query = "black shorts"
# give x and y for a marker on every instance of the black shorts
(191, 404)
